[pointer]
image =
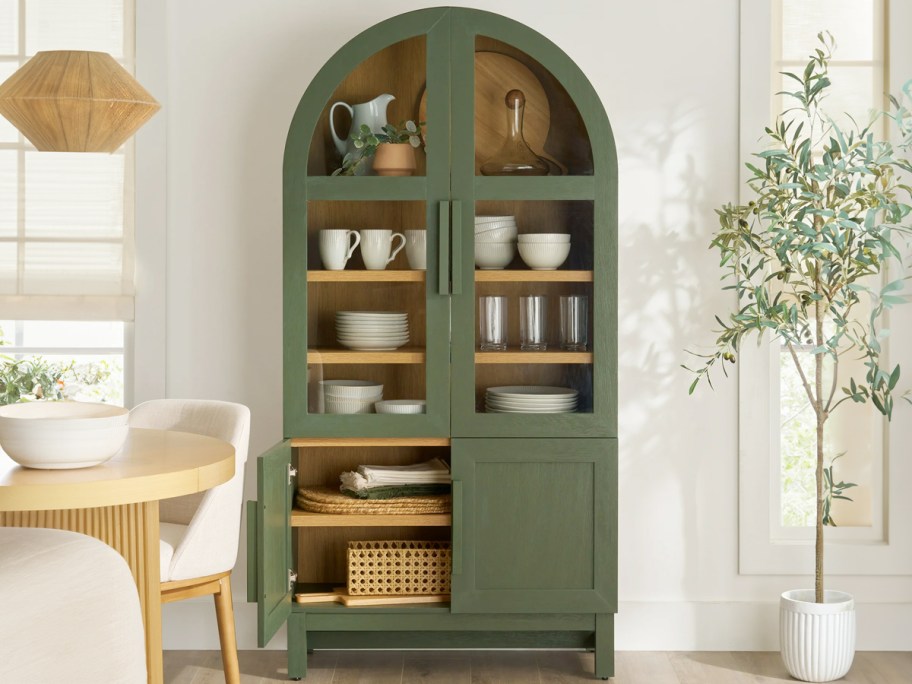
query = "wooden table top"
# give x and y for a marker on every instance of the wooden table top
(151, 465)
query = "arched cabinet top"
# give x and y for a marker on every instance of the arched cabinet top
(399, 40)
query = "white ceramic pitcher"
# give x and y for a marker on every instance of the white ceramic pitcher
(372, 113)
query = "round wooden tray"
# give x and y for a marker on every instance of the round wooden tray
(495, 75)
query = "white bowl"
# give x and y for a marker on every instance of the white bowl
(352, 389)
(400, 406)
(494, 255)
(482, 227)
(490, 217)
(52, 435)
(544, 256)
(497, 235)
(349, 406)
(544, 237)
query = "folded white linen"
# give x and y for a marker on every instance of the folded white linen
(434, 471)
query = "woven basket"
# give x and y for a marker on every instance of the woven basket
(398, 568)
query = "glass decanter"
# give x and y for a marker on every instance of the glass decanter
(515, 158)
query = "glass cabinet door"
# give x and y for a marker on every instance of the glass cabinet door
(534, 317)
(366, 313)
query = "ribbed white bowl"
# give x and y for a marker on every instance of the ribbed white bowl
(350, 389)
(544, 256)
(400, 406)
(53, 435)
(494, 255)
(817, 640)
(489, 218)
(347, 406)
(544, 237)
(503, 234)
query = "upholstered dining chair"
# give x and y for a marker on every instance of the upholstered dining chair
(70, 610)
(200, 532)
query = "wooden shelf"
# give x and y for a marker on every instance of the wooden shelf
(366, 276)
(348, 356)
(366, 188)
(515, 276)
(517, 356)
(542, 188)
(307, 519)
(314, 442)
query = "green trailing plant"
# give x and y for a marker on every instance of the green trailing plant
(366, 143)
(817, 244)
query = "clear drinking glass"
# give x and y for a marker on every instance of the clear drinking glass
(532, 323)
(574, 322)
(492, 323)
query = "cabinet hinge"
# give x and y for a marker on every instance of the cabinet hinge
(292, 471)
(292, 578)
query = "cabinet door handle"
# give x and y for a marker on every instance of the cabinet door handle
(456, 256)
(443, 249)
(457, 528)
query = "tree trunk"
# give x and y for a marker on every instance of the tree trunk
(821, 419)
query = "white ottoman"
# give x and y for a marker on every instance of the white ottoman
(70, 611)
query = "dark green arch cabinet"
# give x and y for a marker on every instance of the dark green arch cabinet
(534, 522)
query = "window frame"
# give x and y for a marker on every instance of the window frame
(763, 549)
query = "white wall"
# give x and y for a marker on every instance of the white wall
(667, 73)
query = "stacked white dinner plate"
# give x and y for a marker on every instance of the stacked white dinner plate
(531, 399)
(372, 330)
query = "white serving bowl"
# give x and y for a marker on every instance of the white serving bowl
(351, 389)
(544, 256)
(400, 406)
(493, 225)
(490, 217)
(349, 406)
(544, 237)
(497, 235)
(52, 435)
(494, 255)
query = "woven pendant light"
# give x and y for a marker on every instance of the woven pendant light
(75, 101)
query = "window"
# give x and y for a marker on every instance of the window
(776, 427)
(66, 220)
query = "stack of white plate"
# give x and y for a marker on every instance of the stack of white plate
(372, 330)
(350, 396)
(530, 399)
(495, 241)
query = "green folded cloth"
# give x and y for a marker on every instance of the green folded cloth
(393, 491)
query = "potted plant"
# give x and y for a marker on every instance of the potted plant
(393, 150)
(820, 238)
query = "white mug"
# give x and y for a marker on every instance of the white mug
(334, 248)
(416, 249)
(376, 245)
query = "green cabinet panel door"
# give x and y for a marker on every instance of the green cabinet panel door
(534, 525)
(273, 539)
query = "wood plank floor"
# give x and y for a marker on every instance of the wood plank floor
(520, 667)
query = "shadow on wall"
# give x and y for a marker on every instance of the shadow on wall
(668, 292)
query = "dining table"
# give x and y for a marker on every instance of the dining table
(117, 502)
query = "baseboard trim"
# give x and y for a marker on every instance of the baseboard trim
(639, 626)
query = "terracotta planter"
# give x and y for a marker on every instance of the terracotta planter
(817, 639)
(393, 159)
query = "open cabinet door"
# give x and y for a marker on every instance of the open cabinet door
(273, 541)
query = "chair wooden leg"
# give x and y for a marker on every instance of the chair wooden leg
(224, 613)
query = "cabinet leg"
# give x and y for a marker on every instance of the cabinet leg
(604, 645)
(297, 647)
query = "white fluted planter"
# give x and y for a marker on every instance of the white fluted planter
(817, 639)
